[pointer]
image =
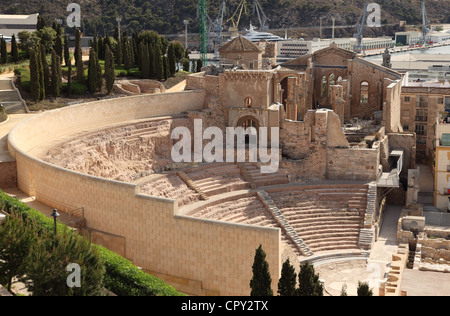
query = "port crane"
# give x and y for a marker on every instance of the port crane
(236, 17)
(216, 27)
(425, 23)
(261, 16)
(359, 48)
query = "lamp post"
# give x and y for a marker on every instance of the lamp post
(186, 22)
(118, 20)
(55, 215)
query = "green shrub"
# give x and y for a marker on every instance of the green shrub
(121, 278)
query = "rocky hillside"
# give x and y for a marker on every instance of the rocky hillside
(166, 16)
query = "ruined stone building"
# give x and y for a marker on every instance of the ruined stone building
(197, 224)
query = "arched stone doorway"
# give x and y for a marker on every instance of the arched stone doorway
(246, 122)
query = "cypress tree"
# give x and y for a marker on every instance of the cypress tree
(59, 43)
(261, 282)
(66, 51)
(34, 75)
(288, 280)
(186, 64)
(172, 60)
(109, 69)
(145, 62)
(4, 51)
(45, 68)
(79, 56)
(41, 23)
(77, 50)
(69, 80)
(159, 65)
(199, 65)
(92, 72)
(14, 49)
(59, 47)
(42, 86)
(309, 284)
(166, 68)
(126, 56)
(56, 75)
(101, 51)
(152, 60)
(94, 43)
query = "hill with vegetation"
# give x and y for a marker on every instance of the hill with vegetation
(166, 16)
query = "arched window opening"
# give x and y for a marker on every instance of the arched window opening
(364, 95)
(332, 80)
(248, 102)
(324, 86)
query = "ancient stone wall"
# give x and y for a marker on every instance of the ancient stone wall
(198, 256)
(8, 174)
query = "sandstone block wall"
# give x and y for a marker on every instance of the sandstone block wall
(8, 172)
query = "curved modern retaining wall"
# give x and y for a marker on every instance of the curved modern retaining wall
(197, 256)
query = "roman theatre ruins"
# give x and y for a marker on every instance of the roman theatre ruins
(197, 225)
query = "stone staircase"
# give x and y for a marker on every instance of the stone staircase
(253, 172)
(366, 235)
(10, 98)
(192, 185)
(290, 231)
(214, 179)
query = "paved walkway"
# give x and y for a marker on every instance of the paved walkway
(5, 128)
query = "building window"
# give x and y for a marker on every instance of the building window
(421, 140)
(421, 130)
(364, 96)
(447, 102)
(421, 115)
(440, 100)
(422, 101)
(248, 102)
(407, 99)
(405, 127)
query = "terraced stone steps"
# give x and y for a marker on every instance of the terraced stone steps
(290, 231)
(325, 218)
(218, 178)
(253, 172)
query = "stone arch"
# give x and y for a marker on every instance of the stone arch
(332, 80)
(247, 121)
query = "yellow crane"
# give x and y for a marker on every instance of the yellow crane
(236, 17)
